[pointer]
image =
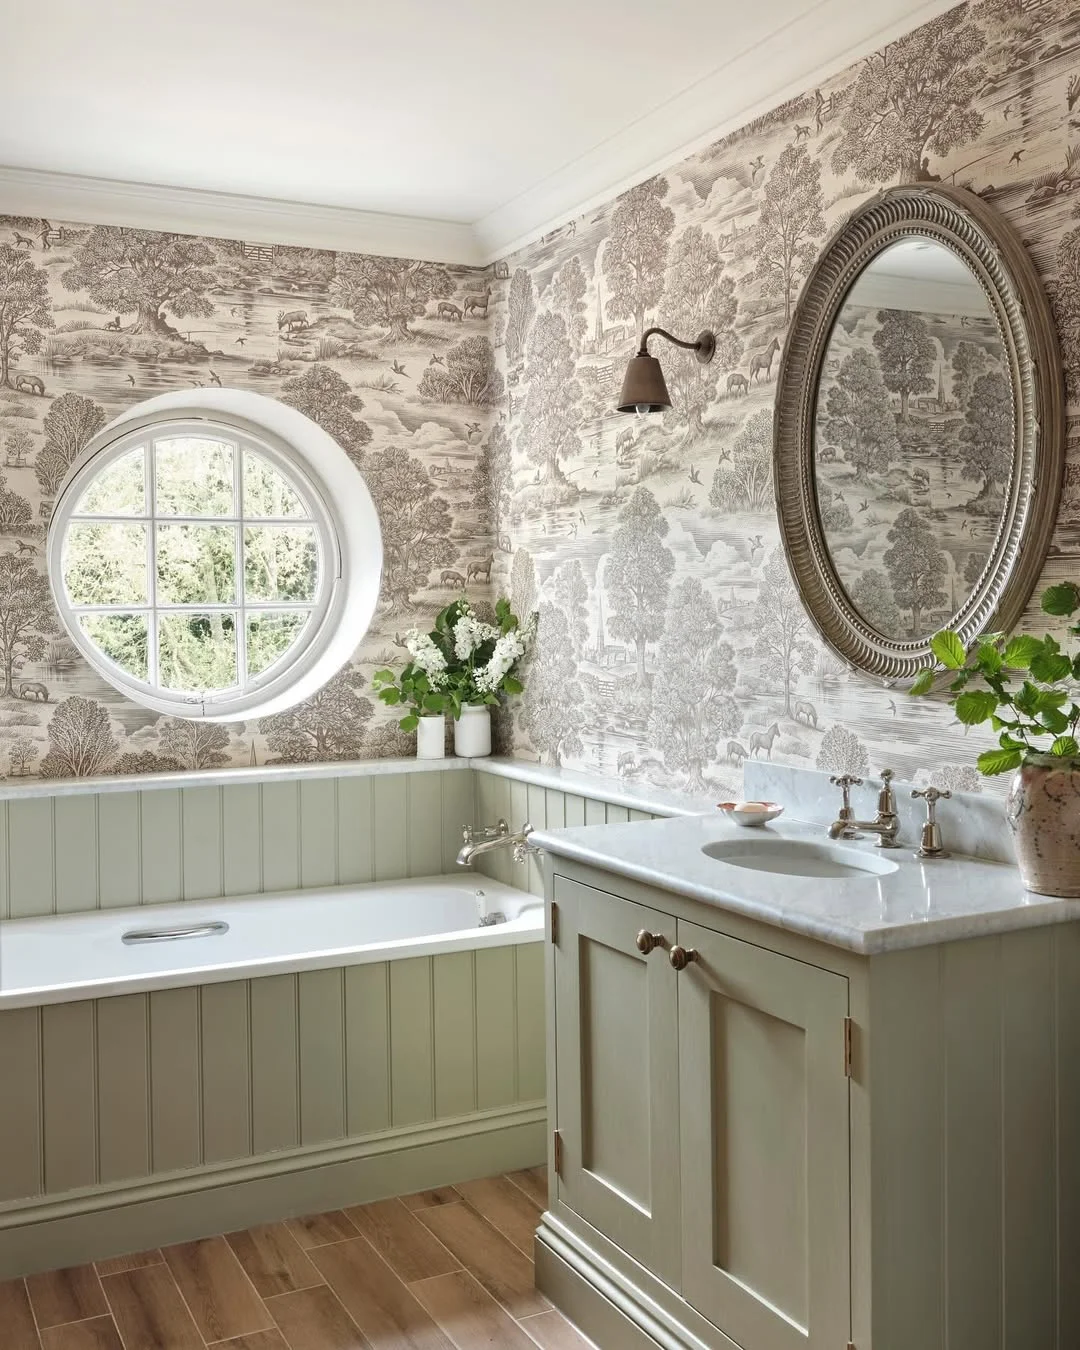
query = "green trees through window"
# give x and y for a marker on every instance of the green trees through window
(193, 563)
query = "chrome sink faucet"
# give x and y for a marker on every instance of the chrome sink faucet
(886, 825)
(488, 837)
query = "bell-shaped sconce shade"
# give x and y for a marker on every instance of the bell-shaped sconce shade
(644, 388)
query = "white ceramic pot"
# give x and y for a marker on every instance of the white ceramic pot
(1043, 811)
(472, 731)
(431, 737)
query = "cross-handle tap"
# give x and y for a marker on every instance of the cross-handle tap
(886, 802)
(845, 782)
(931, 845)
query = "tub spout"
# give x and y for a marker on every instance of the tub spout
(491, 837)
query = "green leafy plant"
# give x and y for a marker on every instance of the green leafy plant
(1025, 687)
(462, 660)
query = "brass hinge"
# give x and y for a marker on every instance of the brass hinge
(554, 923)
(556, 1139)
(847, 1046)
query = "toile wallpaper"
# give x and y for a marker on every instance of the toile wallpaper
(392, 356)
(478, 404)
(672, 644)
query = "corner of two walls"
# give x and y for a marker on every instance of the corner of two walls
(670, 630)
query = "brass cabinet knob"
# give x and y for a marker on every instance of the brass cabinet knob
(646, 941)
(680, 957)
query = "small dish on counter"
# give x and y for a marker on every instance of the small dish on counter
(750, 813)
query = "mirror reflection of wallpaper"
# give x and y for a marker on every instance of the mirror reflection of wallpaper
(673, 645)
(913, 454)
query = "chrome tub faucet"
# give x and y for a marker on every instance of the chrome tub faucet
(489, 837)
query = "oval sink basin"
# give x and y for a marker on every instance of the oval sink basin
(798, 858)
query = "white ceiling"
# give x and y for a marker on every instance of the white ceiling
(498, 115)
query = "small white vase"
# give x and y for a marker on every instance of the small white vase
(472, 731)
(431, 737)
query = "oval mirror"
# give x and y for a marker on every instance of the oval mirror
(919, 429)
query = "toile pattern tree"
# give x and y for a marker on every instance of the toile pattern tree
(568, 292)
(792, 219)
(16, 516)
(872, 597)
(692, 706)
(915, 96)
(906, 354)
(415, 523)
(551, 414)
(917, 567)
(470, 376)
(329, 726)
(195, 745)
(1066, 300)
(635, 256)
(638, 575)
(858, 415)
(698, 296)
(145, 272)
(969, 361)
(521, 309)
(841, 751)
(26, 617)
(743, 481)
(551, 711)
(25, 309)
(71, 422)
(144, 761)
(389, 292)
(81, 740)
(493, 480)
(783, 640)
(987, 434)
(21, 754)
(322, 394)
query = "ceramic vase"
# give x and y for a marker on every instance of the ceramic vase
(1044, 815)
(431, 737)
(472, 731)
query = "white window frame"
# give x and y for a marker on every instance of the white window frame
(336, 502)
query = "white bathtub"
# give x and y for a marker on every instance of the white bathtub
(64, 958)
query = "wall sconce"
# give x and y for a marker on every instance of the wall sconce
(643, 388)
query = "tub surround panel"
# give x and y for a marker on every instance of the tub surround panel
(102, 1095)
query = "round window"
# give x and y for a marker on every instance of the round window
(199, 561)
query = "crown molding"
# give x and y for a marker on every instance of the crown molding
(223, 215)
(821, 43)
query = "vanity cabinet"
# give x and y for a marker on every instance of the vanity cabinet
(790, 1145)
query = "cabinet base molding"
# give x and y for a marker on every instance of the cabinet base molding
(607, 1306)
(105, 1221)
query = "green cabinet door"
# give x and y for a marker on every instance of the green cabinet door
(617, 1073)
(764, 1144)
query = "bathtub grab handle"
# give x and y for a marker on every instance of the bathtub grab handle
(135, 936)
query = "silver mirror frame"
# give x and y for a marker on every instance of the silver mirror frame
(961, 221)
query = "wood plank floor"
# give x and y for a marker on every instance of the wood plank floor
(448, 1269)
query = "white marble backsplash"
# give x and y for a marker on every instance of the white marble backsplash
(972, 825)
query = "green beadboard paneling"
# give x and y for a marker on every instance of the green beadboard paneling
(367, 1048)
(411, 1041)
(21, 1162)
(496, 1029)
(69, 1095)
(355, 815)
(281, 836)
(175, 1079)
(225, 1067)
(390, 840)
(241, 829)
(161, 830)
(123, 1050)
(30, 857)
(203, 851)
(322, 1055)
(424, 796)
(119, 849)
(575, 809)
(454, 992)
(76, 851)
(529, 1006)
(275, 1105)
(318, 833)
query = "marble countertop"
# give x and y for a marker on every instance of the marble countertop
(920, 903)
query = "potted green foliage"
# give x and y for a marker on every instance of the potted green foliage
(460, 667)
(1028, 690)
